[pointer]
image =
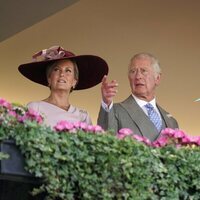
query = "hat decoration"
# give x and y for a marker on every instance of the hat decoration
(55, 52)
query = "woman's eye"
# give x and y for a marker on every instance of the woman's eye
(68, 70)
(55, 69)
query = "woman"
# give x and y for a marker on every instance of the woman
(63, 72)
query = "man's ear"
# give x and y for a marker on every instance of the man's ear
(158, 78)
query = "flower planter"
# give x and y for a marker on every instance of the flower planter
(15, 181)
(13, 167)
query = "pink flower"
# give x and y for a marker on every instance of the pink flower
(77, 125)
(147, 141)
(191, 140)
(168, 131)
(98, 129)
(73, 130)
(64, 126)
(5, 103)
(160, 142)
(120, 136)
(12, 113)
(139, 138)
(90, 128)
(155, 144)
(94, 129)
(124, 132)
(179, 134)
(31, 115)
(80, 125)
(142, 139)
(83, 126)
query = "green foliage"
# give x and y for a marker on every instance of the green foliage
(3, 156)
(99, 166)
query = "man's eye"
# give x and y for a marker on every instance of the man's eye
(132, 70)
(144, 71)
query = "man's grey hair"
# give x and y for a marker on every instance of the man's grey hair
(154, 61)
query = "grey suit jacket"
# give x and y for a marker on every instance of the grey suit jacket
(128, 114)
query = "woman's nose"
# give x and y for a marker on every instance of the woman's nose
(61, 73)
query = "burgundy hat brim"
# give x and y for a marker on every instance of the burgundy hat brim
(91, 70)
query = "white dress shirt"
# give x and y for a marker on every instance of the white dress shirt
(140, 102)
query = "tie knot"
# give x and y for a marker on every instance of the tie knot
(149, 106)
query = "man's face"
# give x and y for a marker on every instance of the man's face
(143, 79)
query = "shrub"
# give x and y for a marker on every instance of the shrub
(77, 161)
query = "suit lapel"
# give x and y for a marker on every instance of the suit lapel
(166, 116)
(145, 126)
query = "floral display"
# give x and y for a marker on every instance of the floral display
(10, 113)
(168, 136)
(81, 161)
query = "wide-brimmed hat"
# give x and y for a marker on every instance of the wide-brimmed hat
(91, 68)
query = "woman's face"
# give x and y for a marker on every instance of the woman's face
(62, 76)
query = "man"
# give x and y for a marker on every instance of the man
(139, 111)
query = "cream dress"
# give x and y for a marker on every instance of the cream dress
(53, 114)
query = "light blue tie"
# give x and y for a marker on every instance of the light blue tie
(154, 116)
